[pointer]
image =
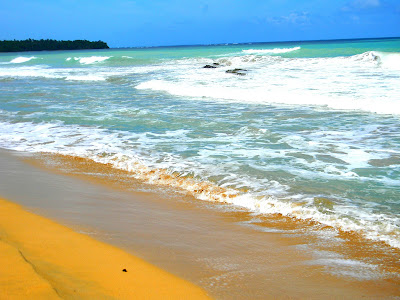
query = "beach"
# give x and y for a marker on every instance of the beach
(197, 243)
(252, 171)
(43, 260)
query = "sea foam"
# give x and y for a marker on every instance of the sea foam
(342, 83)
(390, 60)
(172, 171)
(270, 51)
(22, 59)
(91, 59)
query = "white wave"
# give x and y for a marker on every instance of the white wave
(389, 60)
(98, 74)
(386, 60)
(248, 60)
(344, 83)
(262, 95)
(33, 71)
(22, 59)
(86, 142)
(338, 265)
(270, 51)
(91, 59)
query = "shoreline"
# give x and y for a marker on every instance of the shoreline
(208, 244)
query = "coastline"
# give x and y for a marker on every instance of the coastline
(246, 191)
(30, 45)
(202, 243)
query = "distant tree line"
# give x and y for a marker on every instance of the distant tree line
(39, 45)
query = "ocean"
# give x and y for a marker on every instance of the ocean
(308, 131)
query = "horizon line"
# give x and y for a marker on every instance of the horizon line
(253, 43)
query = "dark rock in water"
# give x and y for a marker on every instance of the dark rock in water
(237, 71)
(213, 66)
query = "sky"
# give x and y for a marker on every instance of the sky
(137, 23)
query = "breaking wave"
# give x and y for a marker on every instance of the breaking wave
(389, 60)
(270, 51)
(340, 83)
(89, 60)
(176, 172)
(22, 59)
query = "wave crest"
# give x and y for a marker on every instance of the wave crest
(90, 60)
(270, 51)
(346, 217)
(21, 59)
(389, 60)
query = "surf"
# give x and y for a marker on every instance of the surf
(270, 51)
(22, 59)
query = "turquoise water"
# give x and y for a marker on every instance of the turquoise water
(309, 130)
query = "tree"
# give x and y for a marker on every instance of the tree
(39, 45)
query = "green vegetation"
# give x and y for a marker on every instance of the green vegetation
(39, 45)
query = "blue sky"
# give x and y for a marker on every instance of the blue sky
(130, 23)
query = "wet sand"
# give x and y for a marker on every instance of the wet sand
(42, 259)
(220, 249)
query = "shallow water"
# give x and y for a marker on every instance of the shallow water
(311, 131)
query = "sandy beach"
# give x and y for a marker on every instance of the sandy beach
(210, 246)
(42, 259)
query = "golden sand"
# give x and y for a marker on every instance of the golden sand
(41, 259)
